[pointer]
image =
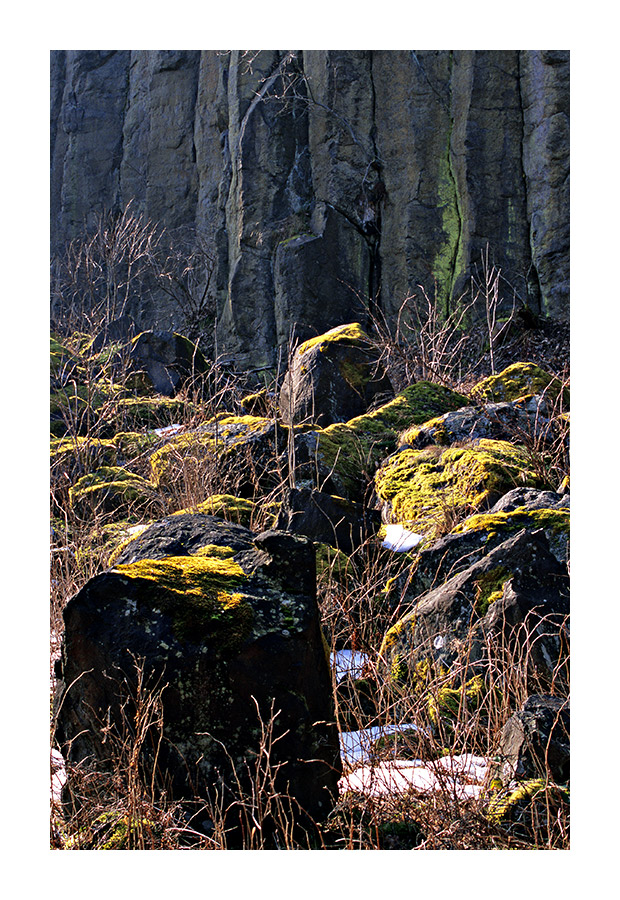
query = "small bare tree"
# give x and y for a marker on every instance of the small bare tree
(103, 271)
(183, 264)
(487, 286)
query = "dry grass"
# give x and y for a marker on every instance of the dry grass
(125, 805)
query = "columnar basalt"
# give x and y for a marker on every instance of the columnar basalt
(329, 184)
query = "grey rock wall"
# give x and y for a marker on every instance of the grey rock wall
(325, 181)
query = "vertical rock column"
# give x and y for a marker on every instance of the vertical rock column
(88, 145)
(545, 97)
(268, 199)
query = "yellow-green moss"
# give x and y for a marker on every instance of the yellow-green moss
(202, 595)
(114, 831)
(88, 452)
(215, 551)
(119, 535)
(74, 399)
(217, 437)
(489, 588)
(554, 522)
(502, 805)
(519, 380)
(256, 404)
(59, 356)
(234, 509)
(440, 434)
(516, 519)
(447, 702)
(331, 563)
(349, 334)
(392, 636)
(426, 487)
(111, 480)
(359, 445)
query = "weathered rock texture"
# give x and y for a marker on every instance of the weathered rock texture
(324, 177)
(226, 621)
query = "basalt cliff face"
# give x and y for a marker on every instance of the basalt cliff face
(323, 178)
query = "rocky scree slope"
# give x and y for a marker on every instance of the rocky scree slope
(475, 615)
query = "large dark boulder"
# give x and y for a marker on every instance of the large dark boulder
(333, 378)
(508, 609)
(230, 632)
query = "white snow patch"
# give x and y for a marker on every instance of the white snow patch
(399, 539)
(168, 430)
(463, 776)
(348, 662)
(59, 775)
(357, 745)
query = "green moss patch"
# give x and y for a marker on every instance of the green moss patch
(359, 445)
(554, 522)
(201, 594)
(112, 486)
(519, 380)
(448, 703)
(218, 438)
(489, 588)
(531, 809)
(227, 506)
(352, 333)
(70, 454)
(331, 563)
(428, 488)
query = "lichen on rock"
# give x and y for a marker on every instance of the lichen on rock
(431, 488)
(520, 380)
(353, 450)
(201, 594)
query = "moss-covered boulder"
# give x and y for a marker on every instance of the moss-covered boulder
(77, 455)
(509, 608)
(351, 451)
(240, 448)
(333, 378)
(229, 636)
(185, 534)
(62, 360)
(431, 489)
(112, 488)
(480, 533)
(75, 407)
(520, 380)
(496, 526)
(90, 402)
(517, 420)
